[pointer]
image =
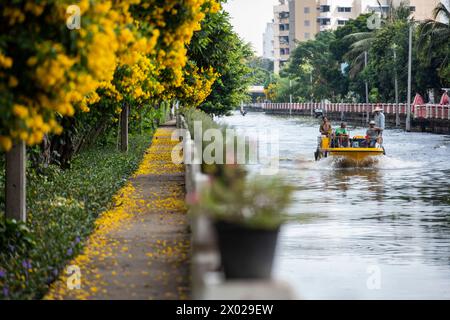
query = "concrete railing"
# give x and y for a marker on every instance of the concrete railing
(208, 282)
(428, 111)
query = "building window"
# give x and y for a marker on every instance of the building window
(383, 9)
(307, 36)
(412, 8)
(284, 51)
(284, 15)
(307, 23)
(306, 10)
(342, 22)
(284, 40)
(284, 27)
(324, 21)
(324, 8)
(344, 9)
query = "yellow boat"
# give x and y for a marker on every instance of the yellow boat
(356, 152)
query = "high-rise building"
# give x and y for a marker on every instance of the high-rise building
(268, 42)
(301, 20)
(281, 35)
(421, 9)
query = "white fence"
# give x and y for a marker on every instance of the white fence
(428, 111)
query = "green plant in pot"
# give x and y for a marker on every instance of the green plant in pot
(247, 214)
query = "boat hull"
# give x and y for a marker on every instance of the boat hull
(355, 154)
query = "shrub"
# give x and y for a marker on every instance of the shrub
(62, 206)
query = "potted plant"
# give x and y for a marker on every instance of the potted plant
(247, 215)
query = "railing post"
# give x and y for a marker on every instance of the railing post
(16, 182)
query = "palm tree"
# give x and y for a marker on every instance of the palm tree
(435, 33)
(362, 41)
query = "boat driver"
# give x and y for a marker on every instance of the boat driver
(342, 136)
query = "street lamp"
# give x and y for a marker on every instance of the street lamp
(408, 107)
(290, 96)
(397, 111)
(290, 90)
(367, 87)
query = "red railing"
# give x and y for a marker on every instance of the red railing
(429, 111)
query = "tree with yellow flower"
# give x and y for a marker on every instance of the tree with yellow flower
(54, 78)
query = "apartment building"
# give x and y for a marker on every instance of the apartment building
(421, 9)
(268, 42)
(281, 29)
(301, 20)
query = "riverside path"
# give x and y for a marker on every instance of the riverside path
(140, 249)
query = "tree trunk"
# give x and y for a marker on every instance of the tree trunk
(124, 128)
(142, 120)
(16, 182)
(43, 158)
(46, 148)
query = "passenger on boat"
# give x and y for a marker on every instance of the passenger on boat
(325, 127)
(341, 136)
(373, 135)
(379, 120)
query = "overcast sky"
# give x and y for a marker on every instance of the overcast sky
(249, 18)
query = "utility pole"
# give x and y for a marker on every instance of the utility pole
(408, 107)
(290, 90)
(290, 97)
(397, 111)
(367, 87)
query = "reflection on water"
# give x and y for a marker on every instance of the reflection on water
(393, 216)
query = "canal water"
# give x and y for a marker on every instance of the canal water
(373, 233)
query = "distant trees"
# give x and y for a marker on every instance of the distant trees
(261, 71)
(332, 66)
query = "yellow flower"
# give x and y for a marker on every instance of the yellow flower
(32, 61)
(5, 143)
(13, 82)
(23, 136)
(20, 111)
(5, 62)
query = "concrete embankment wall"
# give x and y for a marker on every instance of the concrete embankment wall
(208, 282)
(440, 126)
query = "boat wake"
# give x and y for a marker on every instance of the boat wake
(347, 163)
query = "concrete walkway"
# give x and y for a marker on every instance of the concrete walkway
(141, 247)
